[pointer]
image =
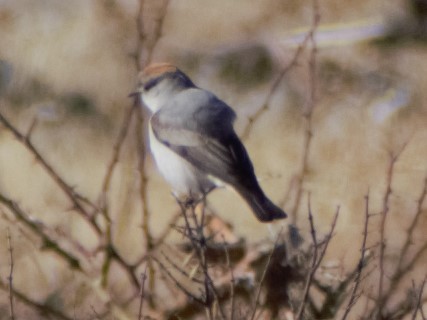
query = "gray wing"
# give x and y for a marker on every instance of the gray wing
(203, 134)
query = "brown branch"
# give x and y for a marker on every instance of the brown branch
(141, 298)
(418, 305)
(354, 294)
(140, 63)
(308, 113)
(144, 43)
(10, 278)
(103, 199)
(313, 263)
(317, 256)
(232, 280)
(130, 269)
(180, 270)
(48, 242)
(178, 284)
(110, 251)
(264, 273)
(193, 230)
(275, 85)
(414, 224)
(402, 269)
(403, 309)
(40, 307)
(161, 238)
(199, 243)
(65, 187)
(143, 178)
(384, 214)
(124, 128)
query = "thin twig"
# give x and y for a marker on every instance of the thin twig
(140, 63)
(180, 270)
(275, 85)
(384, 214)
(264, 273)
(308, 113)
(418, 306)
(48, 242)
(103, 198)
(141, 147)
(141, 297)
(65, 187)
(317, 257)
(42, 308)
(147, 43)
(354, 294)
(178, 284)
(10, 278)
(414, 224)
(124, 128)
(403, 266)
(232, 280)
(161, 238)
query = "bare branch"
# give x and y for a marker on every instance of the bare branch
(255, 306)
(178, 284)
(414, 224)
(354, 294)
(308, 113)
(275, 85)
(115, 158)
(147, 43)
(232, 280)
(418, 304)
(40, 307)
(141, 298)
(10, 278)
(72, 195)
(48, 242)
(180, 270)
(317, 257)
(384, 214)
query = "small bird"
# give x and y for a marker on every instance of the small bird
(193, 141)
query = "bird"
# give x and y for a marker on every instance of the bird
(193, 141)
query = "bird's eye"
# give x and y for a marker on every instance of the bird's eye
(151, 83)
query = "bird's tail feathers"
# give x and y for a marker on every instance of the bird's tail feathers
(262, 207)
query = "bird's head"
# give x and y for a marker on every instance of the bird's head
(159, 82)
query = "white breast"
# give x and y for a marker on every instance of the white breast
(182, 176)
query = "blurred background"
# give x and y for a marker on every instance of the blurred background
(68, 67)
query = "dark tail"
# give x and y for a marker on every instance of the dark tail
(262, 207)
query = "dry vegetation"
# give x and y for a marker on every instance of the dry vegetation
(331, 98)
